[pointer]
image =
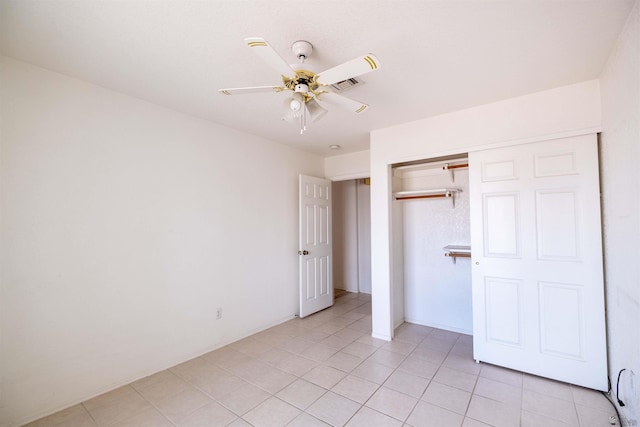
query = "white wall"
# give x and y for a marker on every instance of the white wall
(620, 176)
(437, 291)
(566, 111)
(345, 235)
(124, 226)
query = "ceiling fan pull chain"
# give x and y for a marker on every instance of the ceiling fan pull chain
(302, 121)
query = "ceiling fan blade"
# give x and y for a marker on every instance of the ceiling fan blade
(343, 102)
(264, 50)
(355, 67)
(256, 89)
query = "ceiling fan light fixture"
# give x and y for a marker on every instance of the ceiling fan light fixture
(289, 114)
(316, 112)
(297, 102)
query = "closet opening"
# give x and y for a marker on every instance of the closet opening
(431, 229)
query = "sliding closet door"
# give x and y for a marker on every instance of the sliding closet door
(538, 297)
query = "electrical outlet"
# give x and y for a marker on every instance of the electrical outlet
(219, 313)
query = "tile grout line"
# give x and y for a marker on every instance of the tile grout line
(153, 406)
(89, 413)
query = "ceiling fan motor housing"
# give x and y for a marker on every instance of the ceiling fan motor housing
(301, 88)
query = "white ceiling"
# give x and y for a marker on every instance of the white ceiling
(437, 56)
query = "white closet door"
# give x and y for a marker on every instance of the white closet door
(538, 296)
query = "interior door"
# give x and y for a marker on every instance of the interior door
(316, 277)
(538, 293)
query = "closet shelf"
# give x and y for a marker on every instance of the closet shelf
(428, 194)
(457, 251)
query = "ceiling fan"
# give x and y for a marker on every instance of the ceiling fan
(307, 86)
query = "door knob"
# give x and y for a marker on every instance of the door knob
(303, 252)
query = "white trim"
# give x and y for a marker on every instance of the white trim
(437, 326)
(350, 176)
(381, 337)
(498, 144)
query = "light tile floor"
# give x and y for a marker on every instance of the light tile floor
(326, 369)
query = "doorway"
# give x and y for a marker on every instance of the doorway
(352, 236)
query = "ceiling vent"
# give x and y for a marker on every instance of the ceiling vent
(346, 84)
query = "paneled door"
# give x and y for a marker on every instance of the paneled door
(316, 282)
(538, 293)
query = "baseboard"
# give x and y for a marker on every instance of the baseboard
(438, 326)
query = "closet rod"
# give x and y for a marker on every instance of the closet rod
(458, 255)
(427, 196)
(465, 165)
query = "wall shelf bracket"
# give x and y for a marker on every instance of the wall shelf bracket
(450, 168)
